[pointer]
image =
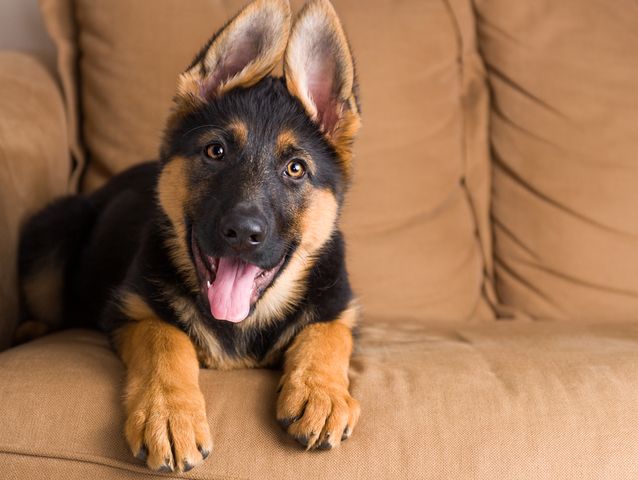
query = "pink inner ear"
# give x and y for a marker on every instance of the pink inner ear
(241, 51)
(320, 76)
(208, 86)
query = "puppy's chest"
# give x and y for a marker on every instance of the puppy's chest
(227, 346)
(210, 356)
(241, 348)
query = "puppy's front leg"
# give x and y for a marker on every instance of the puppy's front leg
(166, 423)
(314, 404)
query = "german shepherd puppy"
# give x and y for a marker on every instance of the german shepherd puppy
(226, 252)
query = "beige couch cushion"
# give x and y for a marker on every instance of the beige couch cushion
(525, 401)
(34, 163)
(422, 180)
(564, 132)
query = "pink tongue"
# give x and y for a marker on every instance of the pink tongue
(229, 295)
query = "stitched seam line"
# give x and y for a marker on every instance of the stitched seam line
(105, 462)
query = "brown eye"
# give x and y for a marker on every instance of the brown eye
(215, 151)
(295, 169)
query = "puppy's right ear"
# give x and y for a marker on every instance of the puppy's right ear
(319, 71)
(240, 54)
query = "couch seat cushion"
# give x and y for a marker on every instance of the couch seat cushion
(508, 400)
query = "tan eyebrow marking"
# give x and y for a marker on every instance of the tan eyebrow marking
(285, 140)
(240, 131)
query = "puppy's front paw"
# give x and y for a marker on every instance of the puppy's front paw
(167, 427)
(316, 410)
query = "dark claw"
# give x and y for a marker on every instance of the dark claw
(167, 466)
(188, 466)
(346, 434)
(303, 440)
(142, 454)
(205, 453)
(286, 422)
(325, 445)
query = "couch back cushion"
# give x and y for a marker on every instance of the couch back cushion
(564, 134)
(417, 216)
(34, 164)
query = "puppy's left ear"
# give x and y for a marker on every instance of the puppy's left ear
(319, 71)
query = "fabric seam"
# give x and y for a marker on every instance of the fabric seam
(106, 462)
(490, 297)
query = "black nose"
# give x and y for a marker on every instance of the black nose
(243, 232)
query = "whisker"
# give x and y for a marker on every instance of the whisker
(197, 128)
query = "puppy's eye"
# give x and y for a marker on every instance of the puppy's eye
(214, 151)
(295, 169)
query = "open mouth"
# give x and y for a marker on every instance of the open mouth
(230, 285)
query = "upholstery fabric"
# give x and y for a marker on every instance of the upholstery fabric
(60, 22)
(511, 400)
(547, 400)
(34, 163)
(417, 216)
(564, 125)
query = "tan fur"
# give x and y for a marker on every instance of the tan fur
(239, 130)
(285, 140)
(318, 23)
(314, 400)
(316, 226)
(43, 292)
(343, 136)
(165, 410)
(274, 356)
(318, 220)
(274, 15)
(188, 90)
(173, 194)
(350, 316)
(135, 308)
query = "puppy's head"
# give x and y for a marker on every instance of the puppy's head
(255, 167)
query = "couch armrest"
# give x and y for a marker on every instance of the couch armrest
(34, 162)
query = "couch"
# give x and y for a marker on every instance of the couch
(492, 233)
